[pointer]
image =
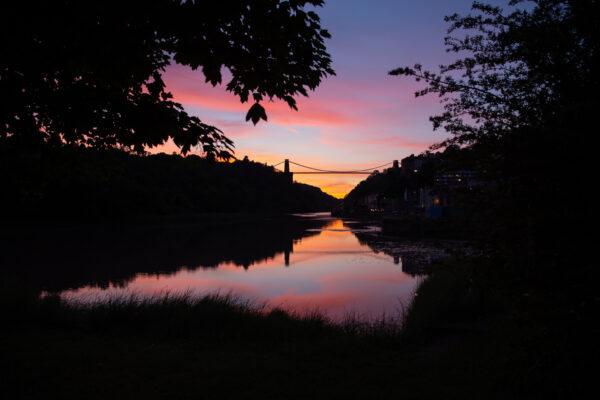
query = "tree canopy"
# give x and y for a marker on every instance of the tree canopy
(521, 101)
(518, 69)
(90, 73)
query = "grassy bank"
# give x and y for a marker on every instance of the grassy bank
(178, 346)
(533, 334)
(467, 335)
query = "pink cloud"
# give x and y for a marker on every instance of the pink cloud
(396, 141)
(278, 113)
(310, 116)
(333, 106)
(221, 102)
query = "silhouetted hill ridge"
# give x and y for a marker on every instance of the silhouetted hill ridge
(80, 183)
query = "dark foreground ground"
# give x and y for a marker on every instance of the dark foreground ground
(467, 335)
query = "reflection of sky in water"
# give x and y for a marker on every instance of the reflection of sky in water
(331, 271)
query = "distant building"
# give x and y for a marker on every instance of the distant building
(441, 199)
(412, 163)
(455, 178)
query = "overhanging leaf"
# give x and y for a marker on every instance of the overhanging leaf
(256, 113)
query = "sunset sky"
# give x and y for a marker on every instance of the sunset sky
(358, 119)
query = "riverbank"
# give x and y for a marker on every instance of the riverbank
(422, 227)
(470, 333)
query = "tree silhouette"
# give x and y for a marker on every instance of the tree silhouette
(90, 73)
(519, 70)
(522, 102)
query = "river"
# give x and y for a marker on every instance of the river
(309, 262)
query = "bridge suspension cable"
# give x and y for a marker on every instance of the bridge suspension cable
(341, 172)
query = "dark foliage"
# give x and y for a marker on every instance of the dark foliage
(75, 183)
(90, 73)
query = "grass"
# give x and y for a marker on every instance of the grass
(210, 317)
(469, 334)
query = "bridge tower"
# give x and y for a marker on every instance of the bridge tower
(286, 171)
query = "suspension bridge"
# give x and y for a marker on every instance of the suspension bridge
(312, 170)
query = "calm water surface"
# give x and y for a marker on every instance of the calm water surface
(337, 267)
(314, 262)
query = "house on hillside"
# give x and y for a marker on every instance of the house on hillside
(419, 188)
(440, 200)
